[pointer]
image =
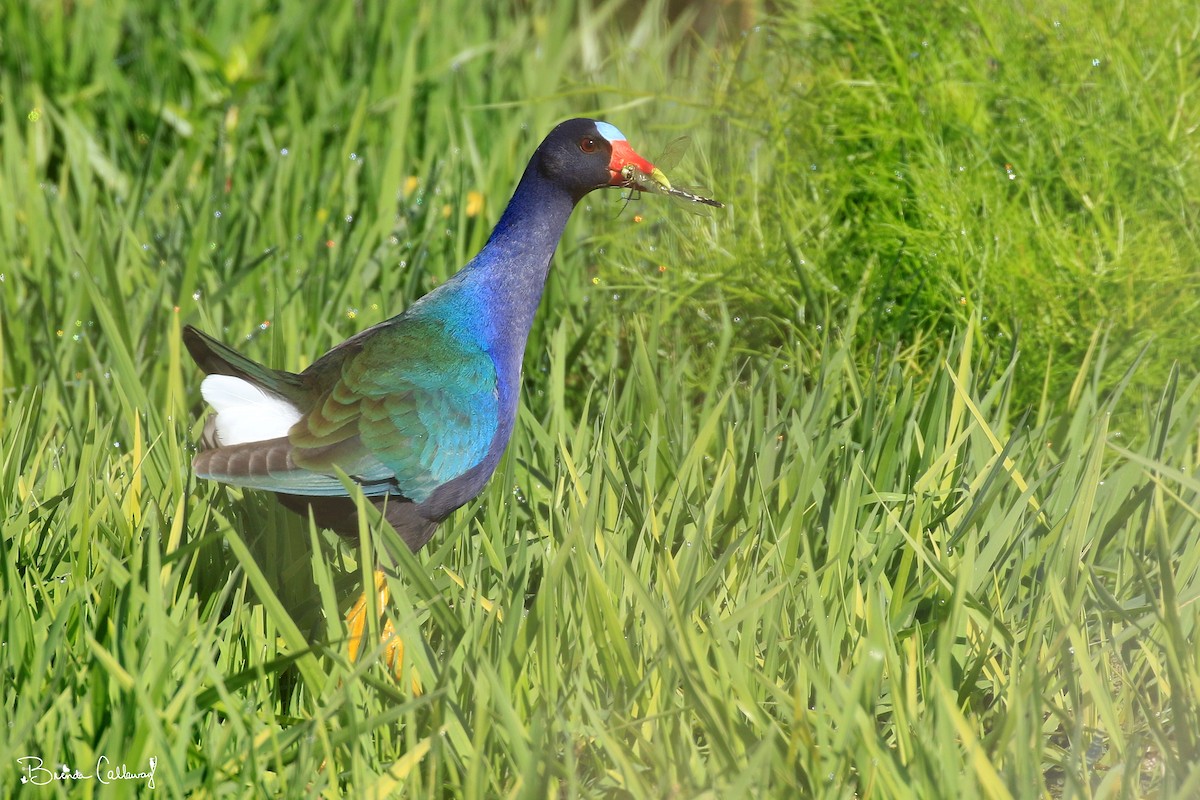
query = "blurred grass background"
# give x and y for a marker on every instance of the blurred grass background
(881, 482)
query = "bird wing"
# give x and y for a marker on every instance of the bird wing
(402, 411)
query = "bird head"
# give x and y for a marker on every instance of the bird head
(587, 154)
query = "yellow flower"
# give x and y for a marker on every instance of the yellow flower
(474, 203)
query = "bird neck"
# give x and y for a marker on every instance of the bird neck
(510, 271)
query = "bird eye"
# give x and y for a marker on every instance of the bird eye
(587, 144)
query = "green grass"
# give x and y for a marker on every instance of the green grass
(881, 483)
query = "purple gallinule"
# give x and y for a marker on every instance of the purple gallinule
(417, 410)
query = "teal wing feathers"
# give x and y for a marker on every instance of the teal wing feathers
(411, 409)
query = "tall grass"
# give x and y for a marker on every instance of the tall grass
(1035, 166)
(752, 536)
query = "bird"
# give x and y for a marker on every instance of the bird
(417, 410)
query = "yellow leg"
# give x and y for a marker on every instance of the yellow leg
(356, 622)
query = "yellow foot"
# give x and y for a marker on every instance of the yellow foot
(356, 623)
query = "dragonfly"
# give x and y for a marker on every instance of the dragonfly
(658, 183)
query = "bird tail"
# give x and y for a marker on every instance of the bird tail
(216, 358)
